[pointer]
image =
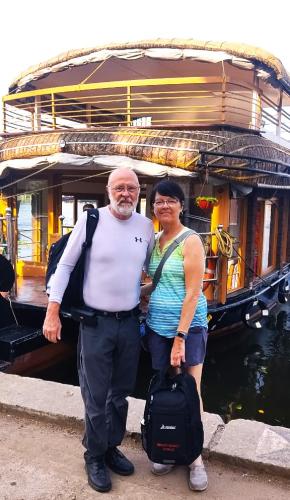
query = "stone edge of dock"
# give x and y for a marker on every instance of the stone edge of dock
(240, 442)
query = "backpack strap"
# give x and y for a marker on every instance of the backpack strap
(188, 385)
(167, 254)
(91, 224)
(159, 381)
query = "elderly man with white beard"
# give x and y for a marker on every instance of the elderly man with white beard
(108, 351)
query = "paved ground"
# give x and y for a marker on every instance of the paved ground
(41, 461)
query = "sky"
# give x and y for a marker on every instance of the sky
(34, 30)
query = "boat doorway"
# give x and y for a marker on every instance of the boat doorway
(266, 234)
(237, 229)
(72, 206)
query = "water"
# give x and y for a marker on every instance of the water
(248, 376)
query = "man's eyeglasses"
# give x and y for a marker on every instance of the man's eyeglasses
(130, 189)
(170, 203)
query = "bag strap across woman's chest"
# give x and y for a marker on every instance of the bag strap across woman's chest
(167, 254)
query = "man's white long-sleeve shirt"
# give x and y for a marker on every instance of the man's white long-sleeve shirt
(114, 263)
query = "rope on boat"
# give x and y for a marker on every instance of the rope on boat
(12, 310)
(266, 283)
(226, 248)
(93, 72)
(27, 176)
(57, 185)
(225, 242)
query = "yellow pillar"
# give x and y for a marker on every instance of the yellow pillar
(3, 205)
(220, 216)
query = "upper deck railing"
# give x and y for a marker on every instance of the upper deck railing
(164, 102)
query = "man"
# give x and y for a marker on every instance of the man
(109, 350)
(87, 206)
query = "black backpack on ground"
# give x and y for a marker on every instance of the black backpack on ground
(172, 430)
(73, 296)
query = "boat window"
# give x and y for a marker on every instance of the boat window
(269, 235)
(265, 243)
(32, 222)
(67, 212)
(24, 203)
(142, 206)
(143, 121)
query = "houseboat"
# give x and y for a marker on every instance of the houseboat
(214, 116)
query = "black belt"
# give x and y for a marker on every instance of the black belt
(118, 314)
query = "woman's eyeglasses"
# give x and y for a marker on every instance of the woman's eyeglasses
(169, 203)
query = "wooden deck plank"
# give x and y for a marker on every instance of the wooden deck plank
(31, 290)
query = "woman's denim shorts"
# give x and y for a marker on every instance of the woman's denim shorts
(160, 347)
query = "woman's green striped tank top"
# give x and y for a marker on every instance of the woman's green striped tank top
(167, 299)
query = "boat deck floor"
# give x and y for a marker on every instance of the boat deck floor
(31, 290)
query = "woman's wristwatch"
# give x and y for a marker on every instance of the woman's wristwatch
(182, 335)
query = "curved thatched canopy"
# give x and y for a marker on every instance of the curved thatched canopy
(246, 158)
(257, 57)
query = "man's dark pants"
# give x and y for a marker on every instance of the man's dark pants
(108, 356)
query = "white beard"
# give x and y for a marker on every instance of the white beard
(124, 208)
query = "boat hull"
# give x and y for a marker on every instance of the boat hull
(249, 308)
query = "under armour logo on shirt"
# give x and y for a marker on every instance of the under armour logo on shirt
(138, 239)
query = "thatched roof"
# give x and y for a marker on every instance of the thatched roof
(254, 54)
(246, 157)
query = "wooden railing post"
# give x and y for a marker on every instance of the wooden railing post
(53, 112)
(128, 106)
(37, 114)
(89, 115)
(255, 122)
(224, 100)
(279, 113)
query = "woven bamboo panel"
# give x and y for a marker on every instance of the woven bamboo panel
(31, 146)
(174, 149)
(179, 149)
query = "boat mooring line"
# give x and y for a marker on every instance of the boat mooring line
(248, 299)
(12, 310)
(60, 184)
(28, 176)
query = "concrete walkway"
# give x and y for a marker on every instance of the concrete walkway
(41, 455)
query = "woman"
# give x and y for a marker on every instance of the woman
(177, 314)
